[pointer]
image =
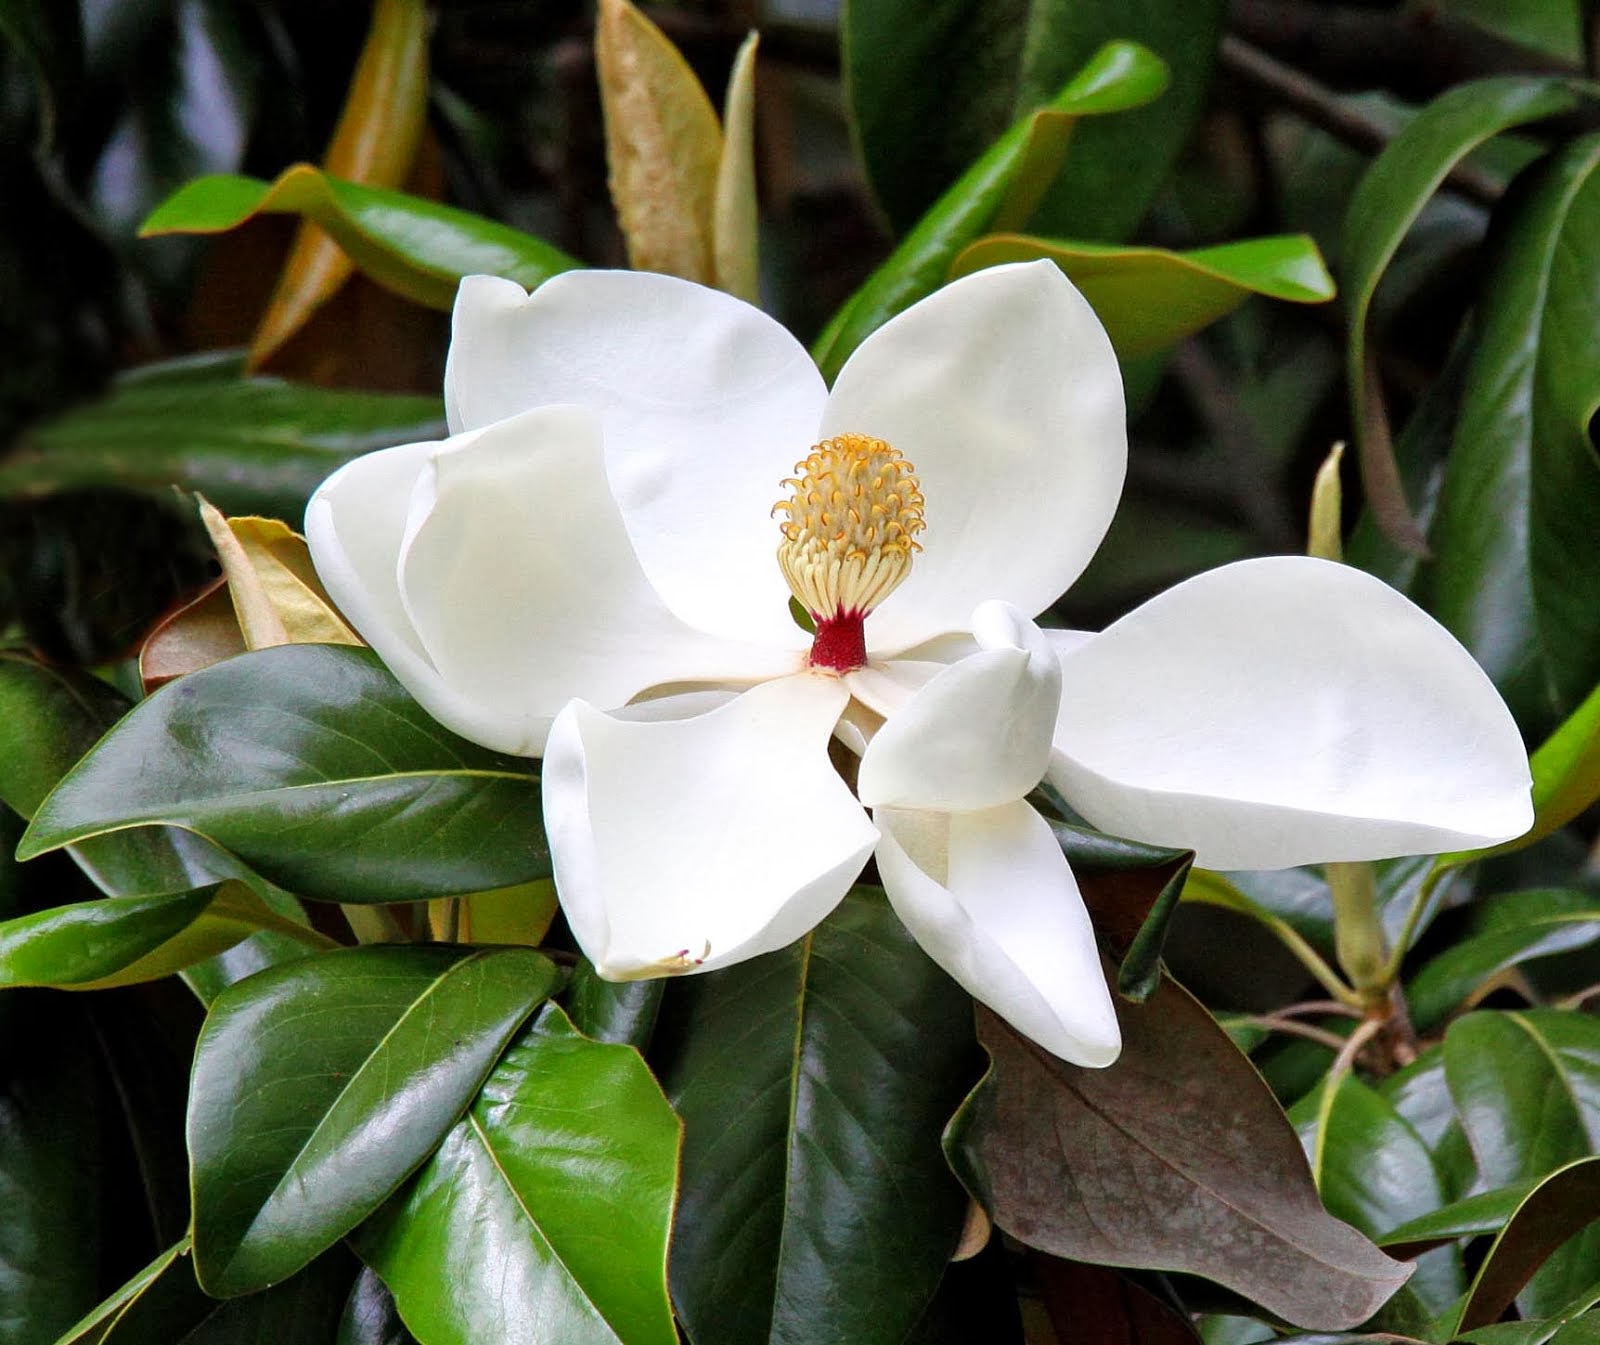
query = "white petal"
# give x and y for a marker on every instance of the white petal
(706, 404)
(687, 845)
(991, 899)
(1287, 711)
(520, 583)
(1003, 390)
(355, 524)
(978, 734)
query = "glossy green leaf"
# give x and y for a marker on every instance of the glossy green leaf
(370, 1315)
(1390, 197)
(1420, 1093)
(1118, 164)
(555, 1190)
(1120, 75)
(315, 767)
(813, 1084)
(1527, 1087)
(49, 717)
(1522, 483)
(1374, 1171)
(1449, 979)
(320, 1085)
(160, 1293)
(1531, 1244)
(1475, 1216)
(1074, 1161)
(88, 940)
(417, 248)
(615, 1011)
(1150, 298)
(250, 446)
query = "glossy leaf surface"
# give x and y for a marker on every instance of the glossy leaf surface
(824, 1071)
(319, 1085)
(1149, 298)
(1072, 1161)
(1521, 484)
(251, 446)
(88, 940)
(1390, 197)
(1527, 1087)
(314, 767)
(1119, 76)
(555, 1190)
(416, 248)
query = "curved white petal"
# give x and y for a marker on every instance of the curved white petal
(1286, 711)
(1003, 390)
(706, 404)
(519, 581)
(978, 733)
(355, 525)
(686, 845)
(991, 899)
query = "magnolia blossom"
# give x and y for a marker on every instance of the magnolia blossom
(597, 567)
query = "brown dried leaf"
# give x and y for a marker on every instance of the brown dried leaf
(663, 145)
(1175, 1158)
(198, 634)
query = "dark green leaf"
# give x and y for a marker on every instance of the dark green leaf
(813, 1083)
(313, 766)
(1485, 1213)
(1448, 981)
(1527, 1087)
(1521, 485)
(320, 1085)
(1421, 1094)
(555, 1190)
(1149, 298)
(49, 717)
(370, 1316)
(1374, 1172)
(417, 248)
(85, 941)
(610, 1010)
(250, 446)
(51, 1150)
(1531, 1244)
(1391, 196)
(1074, 1161)
(1120, 75)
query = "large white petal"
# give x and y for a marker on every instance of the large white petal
(978, 733)
(686, 845)
(991, 899)
(355, 525)
(1286, 711)
(1003, 390)
(706, 403)
(521, 586)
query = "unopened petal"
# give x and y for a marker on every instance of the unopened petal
(705, 404)
(978, 733)
(1287, 711)
(686, 845)
(520, 582)
(991, 899)
(1003, 390)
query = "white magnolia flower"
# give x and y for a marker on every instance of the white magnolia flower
(590, 570)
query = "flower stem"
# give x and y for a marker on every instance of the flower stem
(1358, 940)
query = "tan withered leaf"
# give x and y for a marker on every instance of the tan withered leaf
(663, 145)
(374, 143)
(734, 223)
(1175, 1158)
(277, 596)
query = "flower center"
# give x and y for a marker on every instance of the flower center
(853, 514)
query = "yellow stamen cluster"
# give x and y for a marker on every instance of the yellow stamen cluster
(852, 518)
